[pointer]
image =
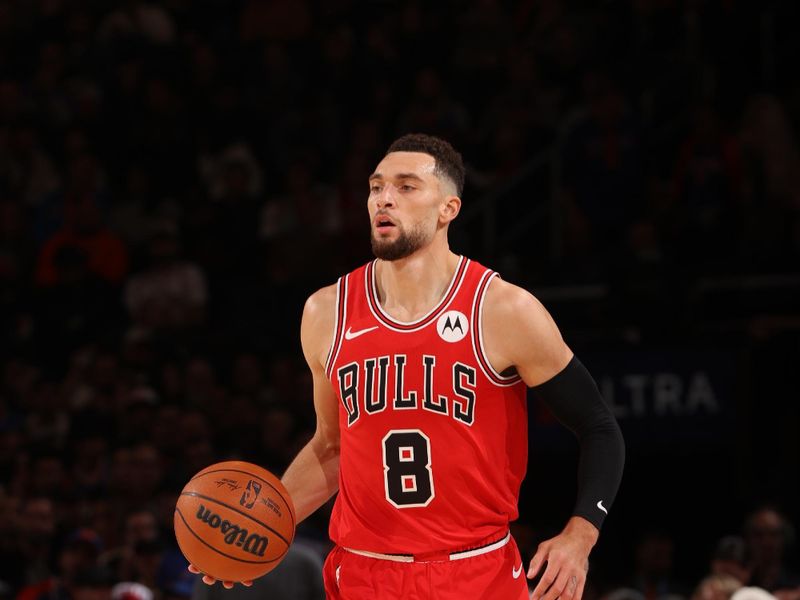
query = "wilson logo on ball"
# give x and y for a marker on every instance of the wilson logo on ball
(251, 543)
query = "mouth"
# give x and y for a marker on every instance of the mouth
(383, 224)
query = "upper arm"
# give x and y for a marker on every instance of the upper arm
(316, 336)
(518, 332)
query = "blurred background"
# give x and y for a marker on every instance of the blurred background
(177, 177)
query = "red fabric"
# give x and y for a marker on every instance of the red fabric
(390, 501)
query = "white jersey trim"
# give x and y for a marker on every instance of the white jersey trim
(336, 344)
(483, 361)
(407, 558)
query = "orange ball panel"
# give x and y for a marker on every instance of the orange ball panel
(234, 521)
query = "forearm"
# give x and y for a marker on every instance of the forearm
(313, 477)
(574, 399)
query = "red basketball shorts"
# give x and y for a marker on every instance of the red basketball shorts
(492, 572)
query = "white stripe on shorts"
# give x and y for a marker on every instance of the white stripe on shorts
(406, 558)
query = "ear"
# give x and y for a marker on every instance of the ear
(449, 209)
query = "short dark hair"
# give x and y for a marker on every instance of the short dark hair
(449, 163)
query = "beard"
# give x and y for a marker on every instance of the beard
(405, 244)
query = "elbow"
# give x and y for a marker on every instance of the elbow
(326, 444)
(332, 449)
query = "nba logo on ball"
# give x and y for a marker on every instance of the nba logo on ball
(452, 326)
(250, 494)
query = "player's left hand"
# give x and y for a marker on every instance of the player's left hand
(567, 560)
(209, 580)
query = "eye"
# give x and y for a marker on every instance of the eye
(374, 189)
(406, 188)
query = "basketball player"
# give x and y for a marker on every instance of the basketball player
(421, 361)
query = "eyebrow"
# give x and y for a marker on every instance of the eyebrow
(413, 176)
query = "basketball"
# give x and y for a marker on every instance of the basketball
(234, 521)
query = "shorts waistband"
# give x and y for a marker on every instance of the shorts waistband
(436, 556)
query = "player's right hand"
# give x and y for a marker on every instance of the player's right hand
(209, 580)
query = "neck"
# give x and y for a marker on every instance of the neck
(410, 287)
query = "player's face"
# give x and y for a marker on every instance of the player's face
(404, 200)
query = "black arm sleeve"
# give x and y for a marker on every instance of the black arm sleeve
(574, 399)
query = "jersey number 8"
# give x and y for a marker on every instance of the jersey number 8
(407, 475)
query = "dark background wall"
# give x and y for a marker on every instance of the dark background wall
(176, 177)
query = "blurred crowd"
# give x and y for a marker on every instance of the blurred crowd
(755, 562)
(176, 177)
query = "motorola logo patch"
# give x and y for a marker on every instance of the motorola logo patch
(452, 326)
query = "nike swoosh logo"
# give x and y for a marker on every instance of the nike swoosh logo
(601, 507)
(516, 572)
(351, 335)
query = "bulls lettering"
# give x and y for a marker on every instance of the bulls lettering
(364, 388)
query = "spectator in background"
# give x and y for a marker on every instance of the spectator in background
(83, 229)
(145, 473)
(716, 587)
(349, 191)
(77, 307)
(730, 558)
(708, 182)
(137, 19)
(93, 583)
(76, 567)
(770, 224)
(287, 20)
(78, 271)
(135, 416)
(653, 576)
(29, 548)
(306, 208)
(727, 573)
(89, 464)
(197, 434)
(128, 590)
(278, 432)
(17, 255)
(602, 174)
(47, 476)
(223, 230)
(297, 577)
(47, 422)
(248, 376)
(769, 537)
(752, 593)
(202, 388)
(27, 170)
(134, 200)
(170, 293)
(433, 108)
(139, 527)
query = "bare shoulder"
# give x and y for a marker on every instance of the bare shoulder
(320, 303)
(519, 332)
(502, 296)
(316, 330)
(510, 310)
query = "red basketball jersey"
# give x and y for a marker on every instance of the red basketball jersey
(433, 439)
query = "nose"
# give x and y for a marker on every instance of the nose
(386, 197)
